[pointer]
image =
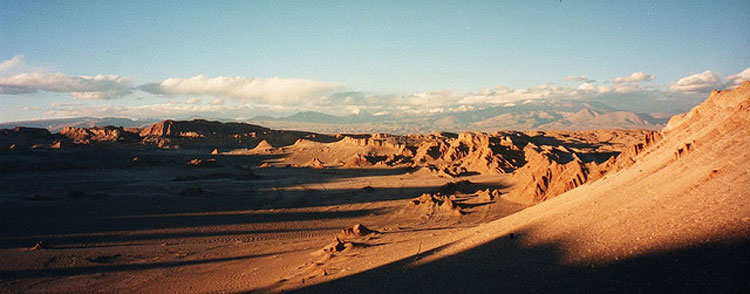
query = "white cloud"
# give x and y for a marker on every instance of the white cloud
(588, 87)
(95, 95)
(432, 98)
(84, 87)
(634, 78)
(247, 97)
(619, 87)
(271, 90)
(66, 105)
(740, 77)
(697, 83)
(31, 108)
(176, 110)
(581, 78)
(503, 95)
(11, 65)
(359, 98)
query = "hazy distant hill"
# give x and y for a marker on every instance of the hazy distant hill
(562, 115)
(537, 114)
(322, 118)
(55, 125)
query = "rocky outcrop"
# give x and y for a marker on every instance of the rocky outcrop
(488, 195)
(434, 203)
(553, 171)
(314, 163)
(628, 157)
(356, 231)
(195, 162)
(199, 129)
(358, 160)
(99, 134)
(374, 141)
(470, 152)
(203, 133)
(22, 138)
(550, 172)
(481, 153)
(263, 146)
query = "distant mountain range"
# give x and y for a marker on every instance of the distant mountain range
(57, 124)
(537, 114)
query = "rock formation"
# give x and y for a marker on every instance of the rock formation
(99, 134)
(22, 138)
(314, 163)
(550, 172)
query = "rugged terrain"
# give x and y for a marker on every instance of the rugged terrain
(205, 207)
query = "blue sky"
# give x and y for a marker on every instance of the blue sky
(247, 58)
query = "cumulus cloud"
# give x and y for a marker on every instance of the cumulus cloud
(503, 95)
(634, 78)
(270, 91)
(738, 78)
(359, 98)
(348, 102)
(581, 78)
(697, 83)
(449, 100)
(84, 87)
(619, 88)
(217, 101)
(11, 65)
(432, 98)
(247, 97)
(591, 88)
(159, 110)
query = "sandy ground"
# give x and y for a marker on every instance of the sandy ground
(116, 229)
(169, 228)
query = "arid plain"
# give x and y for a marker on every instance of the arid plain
(209, 207)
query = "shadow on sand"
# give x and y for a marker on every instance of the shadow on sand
(64, 222)
(505, 265)
(83, 270)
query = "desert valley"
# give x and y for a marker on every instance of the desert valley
(209, 207)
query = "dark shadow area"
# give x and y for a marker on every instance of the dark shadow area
(598, 157)
(542, 139)
(317, 195)
(331, 174)
(588, 155)
(61, 242)
(95, 205)
(461, 203)
(67, 221)
(100, 171)
(506, 266)
(54, 233)
(84, 270)
(78, 158)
